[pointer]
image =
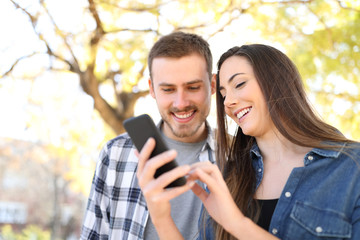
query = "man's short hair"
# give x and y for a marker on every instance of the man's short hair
(180, 44)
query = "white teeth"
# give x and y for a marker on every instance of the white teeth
(243, 112)
(184, 115)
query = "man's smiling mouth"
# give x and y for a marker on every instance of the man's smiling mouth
(183, 116)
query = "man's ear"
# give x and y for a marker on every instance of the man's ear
(151, 88)
(213, 83)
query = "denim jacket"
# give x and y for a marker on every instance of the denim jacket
(320, 200)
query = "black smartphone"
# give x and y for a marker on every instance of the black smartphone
(140, 129)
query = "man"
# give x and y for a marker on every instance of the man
(180, 67)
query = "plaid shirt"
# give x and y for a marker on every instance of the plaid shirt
(116, 208)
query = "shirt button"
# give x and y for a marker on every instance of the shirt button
(274, 231)
(288, 194)
(310, 157)
(259, 170)
(318, 229)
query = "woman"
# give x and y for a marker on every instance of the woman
(286, 171)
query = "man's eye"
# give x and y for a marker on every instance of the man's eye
(194, 88)
(168, 89)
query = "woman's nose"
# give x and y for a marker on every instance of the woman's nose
(230, 100)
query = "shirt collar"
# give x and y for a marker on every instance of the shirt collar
(328, 153)
(210, 140)
(333, 153)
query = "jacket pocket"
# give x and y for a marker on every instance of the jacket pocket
(322, 223)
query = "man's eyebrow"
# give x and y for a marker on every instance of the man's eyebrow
(164, 84)
(194, 82)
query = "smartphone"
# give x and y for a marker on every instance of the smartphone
(140, 129)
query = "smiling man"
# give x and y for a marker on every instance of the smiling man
(123, 193)
(183, 98)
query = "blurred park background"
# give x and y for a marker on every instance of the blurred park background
(72, 70)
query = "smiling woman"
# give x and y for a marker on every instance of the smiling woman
(282, 152)
(242, 96)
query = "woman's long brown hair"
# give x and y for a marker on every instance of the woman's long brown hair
(290, 111)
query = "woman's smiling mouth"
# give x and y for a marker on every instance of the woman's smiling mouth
(243, 112)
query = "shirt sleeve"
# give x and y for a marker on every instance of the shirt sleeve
(96, 220)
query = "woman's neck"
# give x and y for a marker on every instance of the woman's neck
(275, 147)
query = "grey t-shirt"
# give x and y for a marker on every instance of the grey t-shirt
(185, 209)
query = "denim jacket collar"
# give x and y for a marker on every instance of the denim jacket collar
(255, 153)
(312, 156)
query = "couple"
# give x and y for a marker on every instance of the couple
(285, 174)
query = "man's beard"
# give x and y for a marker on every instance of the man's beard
(182, 133)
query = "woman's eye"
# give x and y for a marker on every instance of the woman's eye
(240, 84)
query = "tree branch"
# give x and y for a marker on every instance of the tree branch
(131, 30)
(347, 8)
(16, 62)
(63, 36)
(327, 29)
(286, 2)
(99, 31)
(136, 9)
(33, 19)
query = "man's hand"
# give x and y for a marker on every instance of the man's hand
(156, 196)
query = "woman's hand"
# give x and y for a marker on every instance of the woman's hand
(219, 202)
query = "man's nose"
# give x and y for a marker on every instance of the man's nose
(181, 100)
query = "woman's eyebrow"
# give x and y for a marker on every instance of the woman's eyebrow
(233, 76)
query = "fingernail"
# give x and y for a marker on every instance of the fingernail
(186, 167)
(172, 152)
(191, 183)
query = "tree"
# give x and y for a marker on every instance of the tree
(109, 49)
(322, 37)
(108, 45)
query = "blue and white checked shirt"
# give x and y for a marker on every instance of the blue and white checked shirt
(116, 208)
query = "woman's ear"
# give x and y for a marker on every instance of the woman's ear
(213, 83)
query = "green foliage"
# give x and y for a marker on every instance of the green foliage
(31, 232)
(322, 38)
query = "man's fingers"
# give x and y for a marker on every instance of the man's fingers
(168, 177)
(172, 193)
(147, 172)
(145, 153)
